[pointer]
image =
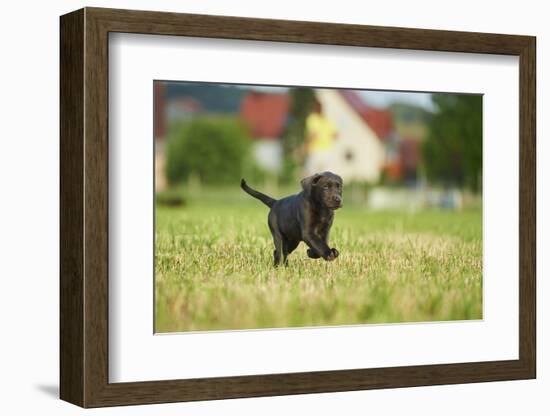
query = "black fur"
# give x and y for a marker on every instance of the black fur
(306, 216)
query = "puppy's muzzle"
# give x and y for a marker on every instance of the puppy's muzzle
(337, 202)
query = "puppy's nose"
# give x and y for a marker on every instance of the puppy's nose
(337, 199)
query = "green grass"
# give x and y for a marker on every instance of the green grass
(214, 268)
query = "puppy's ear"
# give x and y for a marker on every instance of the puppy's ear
(309, 182)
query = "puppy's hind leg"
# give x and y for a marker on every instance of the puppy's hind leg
(278, 253)
(276, 258)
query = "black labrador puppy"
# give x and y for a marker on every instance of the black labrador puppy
(306, 216)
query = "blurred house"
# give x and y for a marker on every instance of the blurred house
(374, 142)
(411, 124)
(182, 109)
(266, 114)
(371, 143)
(359, 151)
(159, 127)
(409, 159)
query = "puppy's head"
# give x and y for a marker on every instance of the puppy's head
(325, 189)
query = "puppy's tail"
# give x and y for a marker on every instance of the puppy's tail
(258, 195)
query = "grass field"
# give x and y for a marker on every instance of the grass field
(214, 268)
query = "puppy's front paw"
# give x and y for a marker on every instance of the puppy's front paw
(330, 256)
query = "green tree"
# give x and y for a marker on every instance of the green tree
(452, 152)
(302, 101)
(216, 149)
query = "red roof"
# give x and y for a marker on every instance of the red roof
(265, 114)
(380, 121)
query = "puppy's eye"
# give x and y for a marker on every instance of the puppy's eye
(325, 187)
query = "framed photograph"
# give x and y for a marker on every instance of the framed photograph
(255, 207)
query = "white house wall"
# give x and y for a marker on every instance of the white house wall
(354, 136)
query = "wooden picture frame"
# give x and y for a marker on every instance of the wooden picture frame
(84, 207)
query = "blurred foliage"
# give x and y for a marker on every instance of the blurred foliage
(289, 171)
(302, 101)
(453, 150)
(216, 150)
(410, 121)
